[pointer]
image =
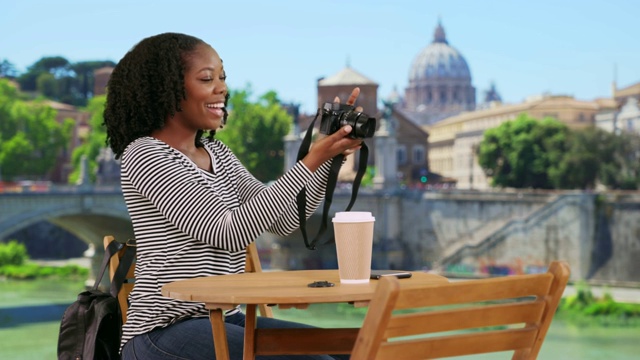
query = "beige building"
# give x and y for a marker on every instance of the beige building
(631, 91)
(453, 141)
(622, 112)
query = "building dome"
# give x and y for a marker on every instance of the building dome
(439, 83)
(439, 60)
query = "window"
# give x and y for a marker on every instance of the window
(418, 154)
(443, 97)
(402, 155)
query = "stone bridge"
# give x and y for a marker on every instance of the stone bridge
(468, 231)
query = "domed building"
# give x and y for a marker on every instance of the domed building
(439, 83)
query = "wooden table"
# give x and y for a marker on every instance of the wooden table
(286, 289)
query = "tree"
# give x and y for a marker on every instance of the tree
(587, 150)
(520, 153)
(95, 141)
(84, 79)
(54, 65)
(47, 86)
(30, 137)
(620, 169)
(7, 70)
(60, 80)
(255, 133)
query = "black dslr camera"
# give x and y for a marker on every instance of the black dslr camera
(336, 115)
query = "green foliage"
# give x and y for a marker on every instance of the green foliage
(7, 69)
(47, 85)
(33, 271)
(14, 265)
(58, 79)
(255, 132)
(95, 141)
(54, 65)
(620, 169)
(13, 253)
(578, 167)
(585, 308)
(30, 137)
(367, 179)
(519, 153)
(546, 154)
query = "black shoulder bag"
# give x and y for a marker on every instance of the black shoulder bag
(91, 327)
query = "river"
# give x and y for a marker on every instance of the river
(30, 313)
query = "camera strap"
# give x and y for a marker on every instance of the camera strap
(336, 163)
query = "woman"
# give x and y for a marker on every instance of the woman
(193, 206)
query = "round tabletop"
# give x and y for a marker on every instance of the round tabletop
(279, 287)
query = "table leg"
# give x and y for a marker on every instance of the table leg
(216, 316)
(250, 324)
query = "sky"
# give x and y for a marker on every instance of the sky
(563, 47)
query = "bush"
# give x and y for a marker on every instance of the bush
(32, 271)
(13, 253)
(584, 308)
(28, 271)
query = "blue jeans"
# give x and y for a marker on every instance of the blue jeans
(192, 339)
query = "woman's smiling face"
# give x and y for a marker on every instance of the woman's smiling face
(205, 88)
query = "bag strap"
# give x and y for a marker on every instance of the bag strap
(111, 250)
(336, 163)
(123, 266)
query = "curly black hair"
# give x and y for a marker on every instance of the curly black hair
(146, 86)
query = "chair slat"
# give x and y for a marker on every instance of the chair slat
(459, 345)
(468, 318)
(475, 291)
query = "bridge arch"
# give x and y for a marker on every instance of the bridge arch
(88, 215)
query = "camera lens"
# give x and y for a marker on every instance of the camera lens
(363, 126)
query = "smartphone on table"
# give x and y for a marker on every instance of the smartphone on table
(400, 274)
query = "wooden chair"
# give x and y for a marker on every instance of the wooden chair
(510, 313)
(252, 265)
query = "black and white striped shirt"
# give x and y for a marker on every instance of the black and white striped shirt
(189, 222)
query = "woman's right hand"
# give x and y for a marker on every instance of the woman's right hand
(330, 146)
(327, 147)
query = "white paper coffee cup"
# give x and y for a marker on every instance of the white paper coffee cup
(353, 232)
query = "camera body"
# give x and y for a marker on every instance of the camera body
(336, 115)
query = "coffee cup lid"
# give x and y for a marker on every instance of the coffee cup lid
(353, 216)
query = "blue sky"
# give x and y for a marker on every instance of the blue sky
(526, 47)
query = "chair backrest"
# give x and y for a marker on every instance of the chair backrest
(252, 265)
(509, 313)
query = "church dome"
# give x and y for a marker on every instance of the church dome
(439, 60)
